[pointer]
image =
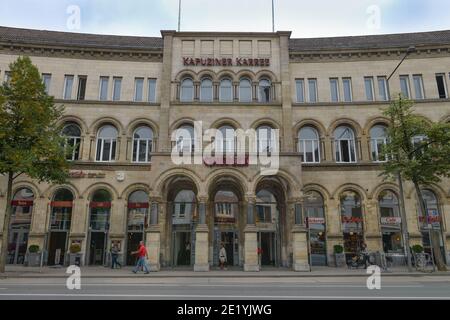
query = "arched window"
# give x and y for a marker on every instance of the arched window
(432, 209)
(315, 213)
(142, 144)
(72, 134)
(390, 222)
(245, 90)
(225, 141)
(61, 210)
(107, 144)
(378, 138)
(206, 90)
(266, 139)
(185, 139)
(420, 144)
(22, 207)
(226, 205)
(309, 145)
(187, 90)
(265, 88)
(266, 207)
(184, 207)
(226, 90)
(344, 143)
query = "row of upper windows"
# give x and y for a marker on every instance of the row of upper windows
(245, 91)
(309, 144)
(376, 88)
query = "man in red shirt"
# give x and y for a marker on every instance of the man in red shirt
(142, 256)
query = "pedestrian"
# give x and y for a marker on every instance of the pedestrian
(259, 252)
(114, 256)
(222, 256)
(365, 254)
(142, 256)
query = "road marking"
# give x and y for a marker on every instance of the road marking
(209, 297)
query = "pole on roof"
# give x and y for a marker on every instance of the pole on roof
(179, 15)
(273, 15)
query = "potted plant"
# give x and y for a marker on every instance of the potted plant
(75, 254)
(34, 256)
(339, 256)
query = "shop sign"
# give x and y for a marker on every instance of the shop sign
(391, 220)
(346, 219)
(430, 219)
(233, 161)
(226, 62)
(62, 204)
(132, 205)
(224, 220)
(86, 175)
(105, 205)
(314, 220)
(22, 203)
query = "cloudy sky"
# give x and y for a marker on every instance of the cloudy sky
(305, 18)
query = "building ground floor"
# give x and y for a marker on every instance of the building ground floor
(294, 219)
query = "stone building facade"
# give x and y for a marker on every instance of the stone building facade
(317, 102)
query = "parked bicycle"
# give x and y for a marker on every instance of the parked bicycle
(424, 263)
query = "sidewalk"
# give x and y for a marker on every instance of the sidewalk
(103, 272)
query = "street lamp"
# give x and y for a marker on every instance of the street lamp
(400, 180)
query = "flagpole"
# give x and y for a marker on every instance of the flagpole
(179, 15)
(273, 16)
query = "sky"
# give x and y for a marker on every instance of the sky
(305, 18)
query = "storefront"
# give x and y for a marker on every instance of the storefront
(19, 227)
(391, 223)
(315, 218)
(100, 213)
(60, 221)
(137, 222)
(431, 226)
(352, 223)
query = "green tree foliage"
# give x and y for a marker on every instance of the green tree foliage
(30, 141)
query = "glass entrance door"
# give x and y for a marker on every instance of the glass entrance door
(57, 248)
(17, 246)
(182, 248)
(268, 245)
(97, 248)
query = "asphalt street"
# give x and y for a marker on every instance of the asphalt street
(341, 288)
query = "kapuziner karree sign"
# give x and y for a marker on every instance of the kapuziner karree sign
(226, 62)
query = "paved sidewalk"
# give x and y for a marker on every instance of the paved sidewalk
(126, 272)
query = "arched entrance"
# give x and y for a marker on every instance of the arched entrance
(60, 221)
(99, 217)
(315, 214)
(137, 222)
(19, 227)
(352, 223)
(182, 219)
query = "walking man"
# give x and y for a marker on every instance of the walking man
(142, 258)
(114, 256)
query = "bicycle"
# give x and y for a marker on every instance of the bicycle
(424, 263)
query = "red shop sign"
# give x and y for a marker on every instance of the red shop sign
(62, 204)
(22, 203)
(100, 205)
(430, 219)
(346, 219)
(137, 205)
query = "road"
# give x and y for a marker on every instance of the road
(226, 289)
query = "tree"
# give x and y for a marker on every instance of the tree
(30, 140)
(422, 161)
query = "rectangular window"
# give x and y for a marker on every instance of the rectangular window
(7, 76)
(312, 83)
(81, 94)
(334, 87)
(442, 86)
(418, 87)
(68, 84)
(368, 83)
(347, 82)
(117, 88)
(300, 86)
(104, 81)
(47, 79)
(383, 90)
(139, 89)
(404, 86)
(152, 90)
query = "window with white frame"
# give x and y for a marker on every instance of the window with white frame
(104, 82)
(300, 87)
(441, 85)
(309, 144)
(226, 90)
(185, 139)
(81, 92)
(265, 88)
(383, 89)
(206, 90)
(225, 141)
(187, 90)
(46, 78)
(404, 86)
(107, 144)
(345, 145)
(419, 143)
(418, 87)
(266, 137)
(68, 85)
(138, 89)
(117, 88)
(312, 90)
(334, 88)
(348, 94)
(378, 138)
(142, 144)
(152, 90)
(72, 141)
(368, 84)
(245, 90)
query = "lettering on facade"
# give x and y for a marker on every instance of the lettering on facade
(226, 62)
(86, 175)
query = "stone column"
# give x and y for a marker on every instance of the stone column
(39, 223)
(251, 259)
(334, 229)
(300, 244)
(153, 237)
(201, 240)
(415, 237)
(446, 219)
(372, 227)
(78, 228)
